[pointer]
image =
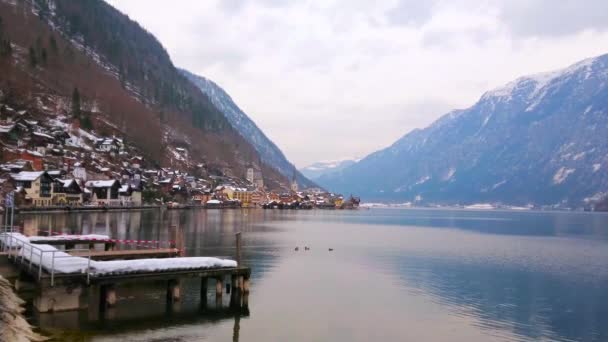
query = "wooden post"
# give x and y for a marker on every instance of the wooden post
(219, 288)
(238, 248)
(173, 291)
(204, 282)
(173, 238)
(240, 281)
(246, 285)
(111, 296)
(234, 282)
(107, 296)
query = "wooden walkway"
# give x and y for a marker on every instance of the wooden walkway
(128, 254)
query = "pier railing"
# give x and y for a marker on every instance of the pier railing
(21, 252)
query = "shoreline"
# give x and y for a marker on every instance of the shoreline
(14, 325)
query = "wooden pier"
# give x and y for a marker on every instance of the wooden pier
(128, 254)
(70, 243)
(71, 291)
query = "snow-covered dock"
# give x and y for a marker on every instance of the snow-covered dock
(54, 268)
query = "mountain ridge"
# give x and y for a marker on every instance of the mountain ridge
(521, 143)
(122, 72)
(269, 152)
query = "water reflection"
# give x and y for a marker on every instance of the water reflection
(422, 274)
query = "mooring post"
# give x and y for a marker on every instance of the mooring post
(204, 282)
(246, 285)
(219, 287)
(234, 282)
(173, 290)
(173, 235)
(107, 296)
(238, 248)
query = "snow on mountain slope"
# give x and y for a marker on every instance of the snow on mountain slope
(322, 168)
(540, 139)
(267, 149)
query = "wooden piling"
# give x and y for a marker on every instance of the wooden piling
(238, 248)
(234, 282)
(219, 287)
(204, 282)
(246, 285)
(173, 290)
(107, 296)
(240, 280)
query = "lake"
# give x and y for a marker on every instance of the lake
(393, 275)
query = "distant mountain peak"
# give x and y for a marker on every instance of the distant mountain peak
(269, 152)
(539, 139)
(536, 82)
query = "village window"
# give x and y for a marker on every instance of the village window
(45, 188)
(25, 184)
(114, 192)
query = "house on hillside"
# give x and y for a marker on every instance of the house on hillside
(130, 195)
(67, 192)
(37, 186)
(108, 144)
(34, 157)
(104, 192)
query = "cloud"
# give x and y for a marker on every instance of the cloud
(350, 76)
(549, 18)
(411, 12)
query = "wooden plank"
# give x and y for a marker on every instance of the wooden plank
(128, 254)
(70, 241)
(144, 276)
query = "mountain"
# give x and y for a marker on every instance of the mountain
(125, 79)
(322, 168)
(539, 140)
(268, 151)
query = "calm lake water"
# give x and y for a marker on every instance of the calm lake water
(394, 275)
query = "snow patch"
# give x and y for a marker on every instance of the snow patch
(449, 174)
(498, 184)
(480, 206)
(561, 175)
(422, 180)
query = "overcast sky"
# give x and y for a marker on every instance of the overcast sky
(343, 78)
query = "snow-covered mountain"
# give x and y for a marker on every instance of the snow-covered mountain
(269, 152)
(540, 139)
(326, 167)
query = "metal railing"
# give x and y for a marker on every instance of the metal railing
(17, 250)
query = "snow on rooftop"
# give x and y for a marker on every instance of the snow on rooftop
(67, 182)
(101, 183)
(27, 175)
(44, 135)
(6, 128)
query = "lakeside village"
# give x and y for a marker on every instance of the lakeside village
(56, 164)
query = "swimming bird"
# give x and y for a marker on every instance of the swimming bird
(297, 249)
(331, 249)
(306, 248)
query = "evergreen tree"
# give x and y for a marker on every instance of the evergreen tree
(32, 57)
(43, 56)
(53, 44)
(76, 103)
(86, 122)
